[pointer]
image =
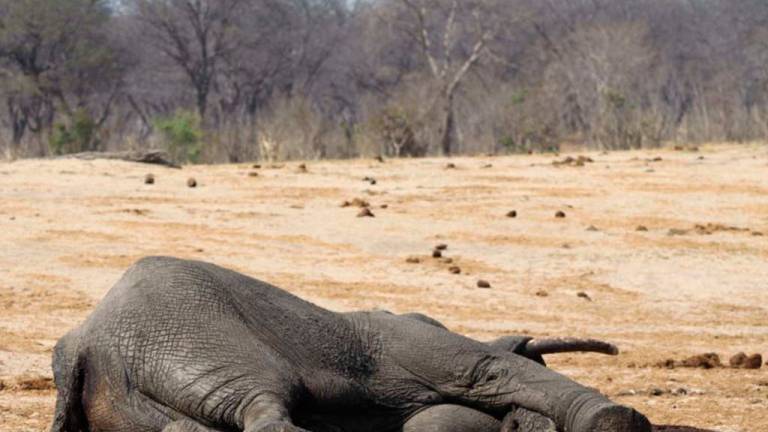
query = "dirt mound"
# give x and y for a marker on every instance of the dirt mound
(27, 383)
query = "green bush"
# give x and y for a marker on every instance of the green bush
(519, 97)
(78, 136)
(508, 143)
(182, 136)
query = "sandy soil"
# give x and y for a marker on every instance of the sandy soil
(68, 229)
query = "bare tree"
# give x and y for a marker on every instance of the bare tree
(342, 78)
(443, 34)
(196, 35)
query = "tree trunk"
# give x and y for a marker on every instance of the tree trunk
(448, 139)
(19, 128)
(202, 103)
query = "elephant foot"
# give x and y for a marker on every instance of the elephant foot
(186, 426)
(278, 427)
(609, 417)
(523, 420)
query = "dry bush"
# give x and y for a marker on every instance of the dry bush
(291, 128)
(521, 121)
(408, 122)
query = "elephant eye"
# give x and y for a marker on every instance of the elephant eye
(485, 371)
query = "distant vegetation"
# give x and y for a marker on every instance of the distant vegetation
(181, 135)
(213, 80)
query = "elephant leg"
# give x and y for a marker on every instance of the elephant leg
(187, 426)
(267, 413)
(451, 418)
(69, 378)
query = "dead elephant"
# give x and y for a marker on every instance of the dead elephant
(189, 346)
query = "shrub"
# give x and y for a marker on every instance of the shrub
(294, 129)
(182, 136)
(396, 127)
(77, 136)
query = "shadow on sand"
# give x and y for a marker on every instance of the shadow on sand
(670, 428)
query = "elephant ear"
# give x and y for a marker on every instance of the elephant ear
(536, 348)
(517, 345)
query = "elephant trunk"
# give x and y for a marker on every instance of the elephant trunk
(511, 381)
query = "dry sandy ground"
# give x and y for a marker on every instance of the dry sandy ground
(68, 229)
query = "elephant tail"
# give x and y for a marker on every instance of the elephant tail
(69, 377)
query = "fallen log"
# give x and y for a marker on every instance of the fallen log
(156, 157)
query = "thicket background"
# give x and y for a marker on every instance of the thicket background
(233, 80)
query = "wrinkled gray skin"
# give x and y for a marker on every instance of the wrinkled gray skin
(457, 418)
(188, 346)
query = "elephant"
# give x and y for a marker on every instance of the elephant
(181, 346)
(456, 418)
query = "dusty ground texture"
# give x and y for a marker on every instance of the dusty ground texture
(68, 229)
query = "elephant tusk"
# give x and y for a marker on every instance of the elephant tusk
(564, 345)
